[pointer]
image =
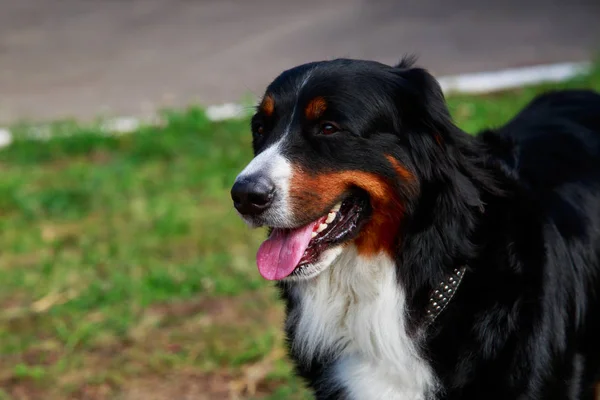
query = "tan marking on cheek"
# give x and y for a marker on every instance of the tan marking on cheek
(315, 108)
(267, 106)
(314, 193)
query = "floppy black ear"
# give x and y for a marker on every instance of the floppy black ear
(420, 101)
(443, 151)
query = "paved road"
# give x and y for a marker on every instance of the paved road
(119, 57)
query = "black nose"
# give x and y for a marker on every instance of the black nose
(252, 195)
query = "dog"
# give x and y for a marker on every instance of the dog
(417, 261)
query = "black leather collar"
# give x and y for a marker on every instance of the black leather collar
(442, 294)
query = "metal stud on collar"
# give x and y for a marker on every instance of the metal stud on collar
(441, 296)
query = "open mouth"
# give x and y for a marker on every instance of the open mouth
(287, 252)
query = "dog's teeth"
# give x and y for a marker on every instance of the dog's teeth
(321, 228)
(330, 217)
(313, 235)
(336, 207)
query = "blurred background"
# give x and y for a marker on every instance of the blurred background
(78, 58)
(124, 272)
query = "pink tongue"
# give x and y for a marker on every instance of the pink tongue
(279, 255)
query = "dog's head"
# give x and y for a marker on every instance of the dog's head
(342, 149)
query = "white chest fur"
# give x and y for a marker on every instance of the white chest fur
(356, 310)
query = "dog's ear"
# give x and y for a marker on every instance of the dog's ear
(420, 101)
(442, 150)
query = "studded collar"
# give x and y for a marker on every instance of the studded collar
(442, 294)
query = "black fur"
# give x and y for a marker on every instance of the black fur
(519, 206)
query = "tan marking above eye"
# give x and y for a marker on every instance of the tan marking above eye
(315, 108)
(267, 106)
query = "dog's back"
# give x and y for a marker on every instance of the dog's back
(552, 148)
(553, 142)
(580, 107)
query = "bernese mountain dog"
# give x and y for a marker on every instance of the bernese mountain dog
(418, 261)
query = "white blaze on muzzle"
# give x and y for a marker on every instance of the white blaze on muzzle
(270, 164)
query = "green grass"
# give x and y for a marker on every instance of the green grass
(124, 266)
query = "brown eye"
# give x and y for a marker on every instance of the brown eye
(258, 129)
(327, 128)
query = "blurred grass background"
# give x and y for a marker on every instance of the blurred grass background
(125, 272)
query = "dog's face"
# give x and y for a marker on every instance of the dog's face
(333, 163)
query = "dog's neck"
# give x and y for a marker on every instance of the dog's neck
(439, 231)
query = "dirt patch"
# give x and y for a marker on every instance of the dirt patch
(181, 386)
(192, 386)
(202, 348)
(24, 391)
(255, 308)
